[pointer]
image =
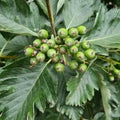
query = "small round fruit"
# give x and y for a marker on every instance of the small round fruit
(111, 78)
(82, 29)
(69, 41)
(43, 33)
(51, 43)
(37, 42)
(115, 70)
(80, 56)
(40, 57)
(77, 43)
(58, 40)
(85, 45)
(73, 49)
(33, 61)
(82, 67)
(62, 49)
(56, 58)
(90, 53)
(51, 53)
(59, 67)
(73, 32)
(62, 33)
(73, 64)
(44, 48)
(29, 51)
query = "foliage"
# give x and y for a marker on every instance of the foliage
(41, 93)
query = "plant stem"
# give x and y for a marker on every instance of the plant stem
(4, 46)
(51, 17)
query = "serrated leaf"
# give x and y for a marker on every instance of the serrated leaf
(28, 83)
(76, 12)
(82, 88)
(8, 25)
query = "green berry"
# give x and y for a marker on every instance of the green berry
(44, 48)
(58, 40)
(62, 33)
(51, 53)
(82, 29)
(85, 45)
(43, 33)
(116, 71)
(80, 56)
(82, 67)
(90, 53)
(77, 43)
(33, 61)
(73, 64)
(73, 49)
(62, 49)
(59, 67)
(69, 41)
(73, 32)
(37, 42)
(111, 78)
(29, 51)
(40, 57)
(51, 43)
(56, 58)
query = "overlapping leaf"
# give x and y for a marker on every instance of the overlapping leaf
(28, 84)
(82, 88)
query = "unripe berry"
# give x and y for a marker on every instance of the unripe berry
(85, 45)
(77, 43)
(69, 41)
(33, 61)
(40, 57)
(29, 51)
(90, 53)
(111, 78)
(51, 53)
(37, 42)
(82, 29)
(62, 33)
(80, 56)
(73, 64)
(44, 48)
(56, 58)
(73, 49)
(59, 67)
(62, 49)
(51, 43)
(43, 33)
(73, 32)
(82, 67)
(58, 40)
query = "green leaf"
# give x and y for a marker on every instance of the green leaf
(76, 12)
(81, 88)
(59, 5)
(8, 25)
(28, 84)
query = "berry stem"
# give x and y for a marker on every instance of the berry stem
(51, 17)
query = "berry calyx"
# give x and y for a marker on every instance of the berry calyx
(51, 43)
(33, 61)
(69, 41)
(73, 32)
(80, 56)
(73, 49)
(59, 67)
(62, 49)
(43, 33)
(29, 51)
(90, 53)
(55, 58)
(73, 64)
(82, 67)
(37, 42)
(62, 33)
(51, 53)
(58, 40)
(85, 45)
(44, 48)
(82, 29)
(40, 57)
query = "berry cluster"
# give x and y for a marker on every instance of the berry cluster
(64, 49)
